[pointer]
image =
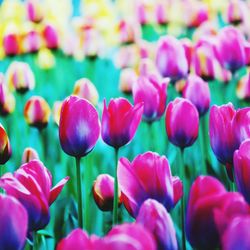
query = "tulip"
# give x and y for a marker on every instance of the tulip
(50, 36)
(14, 223)
(31, 42)
(34, 11)
(7, 100)
(154, 217)
(126, 32)
(182, 122)
(31, 185)
(103, 192)
(247, 52)
(230, 39)
(153, 94)
(37, 112)
(11, 44)
(29, 154)
(168, 49)
(5, 148)
(189, 50)
(127, 79)
(45, 59)
(161, 13)
(197, 91)
(57, 107)
(137, 181)
(141, 13)
(20, 77)
(79, 130)
(84, 88)
(243, 88)
(234, 12)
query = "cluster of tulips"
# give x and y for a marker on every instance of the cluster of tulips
(189, 92)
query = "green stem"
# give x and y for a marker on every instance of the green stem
(201, 142)
(86, 196)
(35, 241)
(79, 191)
(182, 177)
(115, 204)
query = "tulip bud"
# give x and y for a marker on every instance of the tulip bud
(45, 59)
(29, 154)
(31, 42)
(5, 148)
(127, 79)
(243, 88)
(103, 192)
(84, 88)
(11, 41)
(37, 112)
(34, 11)
(168, 49)
(79, 126)
(161, 13)
(234, 12)
(182, 122)
(20, 77)
(126, 32)
(120, 111)
(154, 217)
(57, 111)
(188, 47)
(50, 36)
(197, 91)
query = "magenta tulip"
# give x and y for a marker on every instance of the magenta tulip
(154, 217)
(182, 122)
(11, 44)
(120, 121)
(147, 176)
(50, 35)
(79, 126)
(197, 91)
(153, 94)
(13, 223)
(168, 50)
(31, 185)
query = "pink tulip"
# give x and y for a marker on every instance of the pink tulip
(235, 12)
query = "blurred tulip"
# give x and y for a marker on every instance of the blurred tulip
(243, 88)
(161, 13)
(168, 49)
(154, 217)
(29, 154)
(103, 192)
(34, 11)
(14, 223)
(189, 50)
(230, 39)
(141, 13)
(31, 185)
(182, 122)
(127, 79)
(45, 59)
(126, 32)
(57, 111)
(178, 189)
(137, 181)
(20, 77)
(37, 112)
(79, 126)
(11, 44)
(5, 148)
(197, 91)
(50, 36)
(153, 94)
(234, 12)
(84, 88)
(147, 68)
(247, 52)
(7, 99)
(120, 111)
(31, 42)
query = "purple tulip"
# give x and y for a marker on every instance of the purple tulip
(154, 217)
(79, 126)
(147, 176)
(197, 91)
(13, 223)
(182, 122)
(168, 50)
(153, 94)
(120, 121)
(31, 185)
(230, 39)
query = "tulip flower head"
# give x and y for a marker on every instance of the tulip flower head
(50, 36)
(5, 148)
(127, 79)
(235, 12)
(37, 112)
(243, 88)
(57, 111)
(120, 112)
(182, 122)
(7, 100)
(79, 126)
(11, 41)
(34, 11)
(29, 154)
(103, 192)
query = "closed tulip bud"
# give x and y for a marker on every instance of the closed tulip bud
(230, 39)
(31, 184)
(103, 192)
(127, 79)
(14, 221)
(5, 148)
(29, 154)
(37, 112)
(168, 49)
(247, 52)
(126, 32)
(20, 77)
(197, 91)
(84, 88)
(234, 12)
(79, 126)
(31, 42)
(182, 122)
(189, 50)
(45, 59)
(120, 111)
(137, 181)
(243, 88)
(153, 94)
(142, 13)
(197, 14)
(11, 42)
(161, 13)
(50, 36)
(57, 111)
(34, 11)
(154, 217)
(178, 189)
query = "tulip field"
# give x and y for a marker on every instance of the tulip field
(124, 125)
